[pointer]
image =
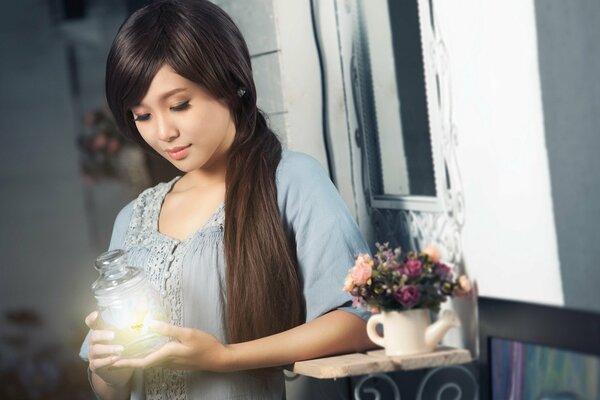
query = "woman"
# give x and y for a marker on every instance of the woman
(179, 82)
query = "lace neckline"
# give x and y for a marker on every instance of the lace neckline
(216, 218)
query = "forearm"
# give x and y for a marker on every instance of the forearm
(109, 392)
(336, 332)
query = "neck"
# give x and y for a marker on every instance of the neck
(202, 177)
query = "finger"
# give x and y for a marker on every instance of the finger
(102, 362)
(99, 336)
(94, 321)
(168, 330)
(151, 360)
(91, 320)
(104, 350)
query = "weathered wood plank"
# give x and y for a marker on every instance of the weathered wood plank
(376, 361)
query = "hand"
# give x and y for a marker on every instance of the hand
(103, 354)
(191, 349)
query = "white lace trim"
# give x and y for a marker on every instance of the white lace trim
(164, 271)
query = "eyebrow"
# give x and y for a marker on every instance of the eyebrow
(164, 96)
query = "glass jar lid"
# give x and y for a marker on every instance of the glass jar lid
(115, 273)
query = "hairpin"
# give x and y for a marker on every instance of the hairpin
(241, 92)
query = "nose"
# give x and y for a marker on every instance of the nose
(167, 131)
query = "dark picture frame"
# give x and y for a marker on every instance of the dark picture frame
(543, 325)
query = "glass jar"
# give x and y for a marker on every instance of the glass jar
(126, 302)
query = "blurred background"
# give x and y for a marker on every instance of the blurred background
(524, 109)
(65, 173)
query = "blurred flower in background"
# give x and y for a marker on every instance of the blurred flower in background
(104, 154)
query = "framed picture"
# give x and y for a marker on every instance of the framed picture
(532, 351)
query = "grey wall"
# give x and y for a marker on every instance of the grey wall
(256, 20)
(569, 58)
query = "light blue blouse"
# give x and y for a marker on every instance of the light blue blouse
(189, 273)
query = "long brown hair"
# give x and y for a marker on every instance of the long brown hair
(201, 43)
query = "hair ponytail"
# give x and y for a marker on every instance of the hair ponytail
(261, 262)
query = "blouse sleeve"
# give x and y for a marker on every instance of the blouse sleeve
(326, 236)
(116, 241)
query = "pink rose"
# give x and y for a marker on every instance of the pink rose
(361, 272)
(433, 253)
(408, 296)
(413, 268)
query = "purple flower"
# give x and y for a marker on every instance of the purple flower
(408, 296)
(413, 268)
(442, 271)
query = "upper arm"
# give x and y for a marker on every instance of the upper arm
(326, 235)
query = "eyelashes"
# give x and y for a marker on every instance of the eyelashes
(179, 107)
(141, 118)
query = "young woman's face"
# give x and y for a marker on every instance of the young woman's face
(183, 122)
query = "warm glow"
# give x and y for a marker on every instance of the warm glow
(130, 323)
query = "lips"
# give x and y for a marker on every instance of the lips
(177, 153)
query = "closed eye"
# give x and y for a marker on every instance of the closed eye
(182, 106)
(179, 107)
(141, 118)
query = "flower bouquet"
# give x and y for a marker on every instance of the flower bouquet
(405, 288)
(392, 281)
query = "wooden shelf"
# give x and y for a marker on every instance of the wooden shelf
(376, 361)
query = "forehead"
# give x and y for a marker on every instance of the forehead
(165, 83)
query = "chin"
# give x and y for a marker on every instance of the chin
(186, 166)
(183, 168)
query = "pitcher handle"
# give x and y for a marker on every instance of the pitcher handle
(375, 320)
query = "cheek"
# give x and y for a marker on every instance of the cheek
(198, 128)
(144, 133)
(149, 139)
(209, 129)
